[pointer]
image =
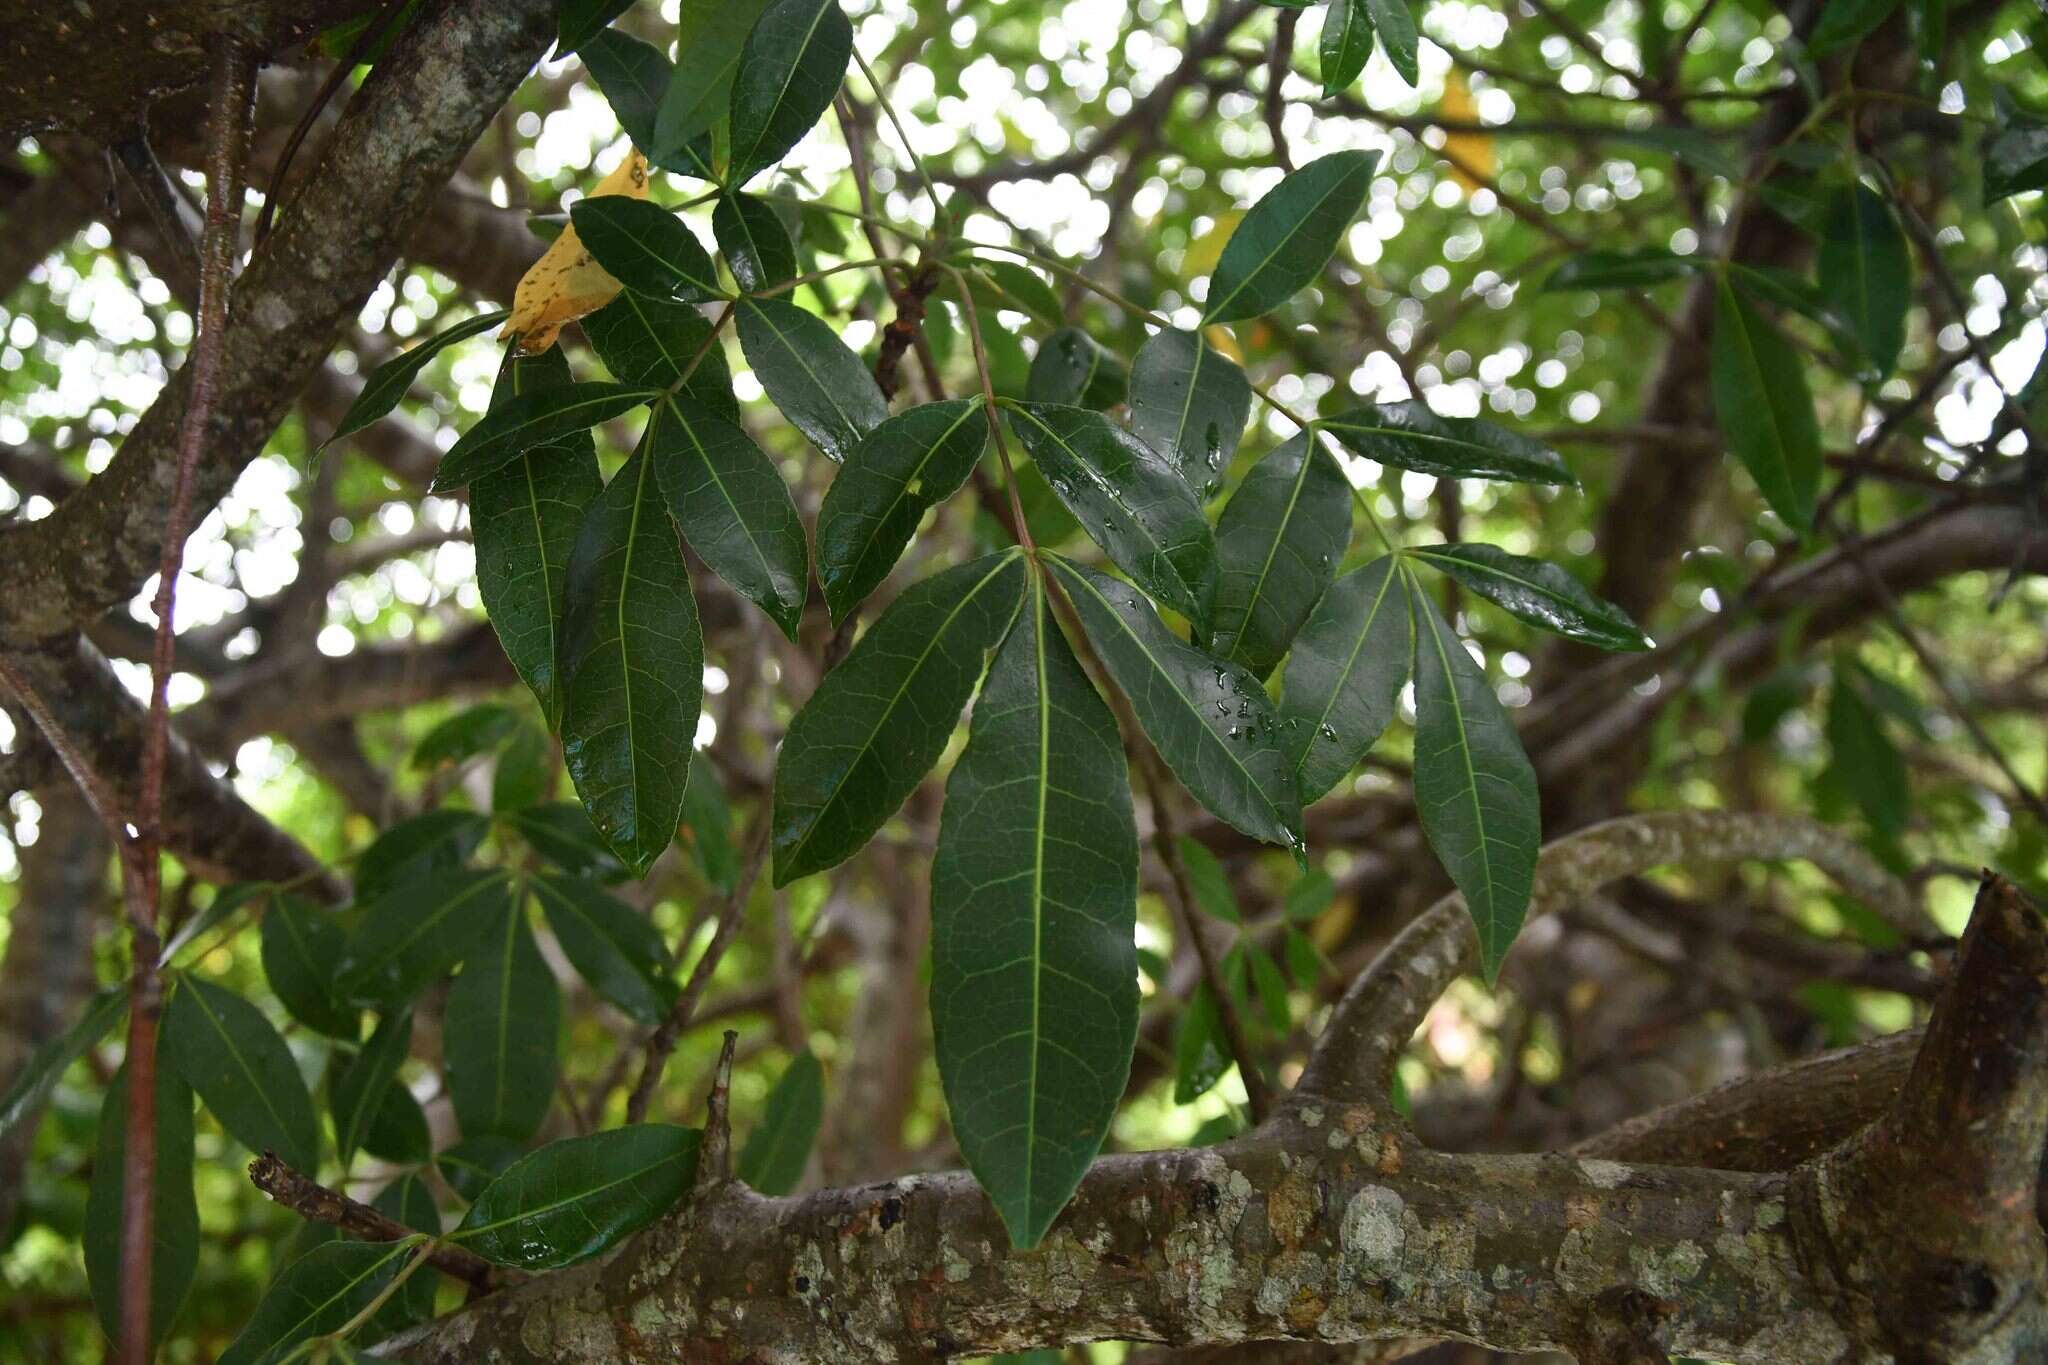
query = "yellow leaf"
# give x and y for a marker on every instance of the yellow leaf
(565, 283)
(1219, 337)
(1471, 155)
(1203, 253)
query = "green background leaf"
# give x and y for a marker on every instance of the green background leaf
(1286, 239)
(776, 1153)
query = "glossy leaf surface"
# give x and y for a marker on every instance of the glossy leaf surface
(1345, 674)
(819, 385)
(902, 469)
(1277, 547)
(646, 247)
(499, 1033)
(1408, 435)
(1537, 592)
(1190, 403)
(572, 1199)
(417, 931)
(530, 421)
(1287, 238)
(789, 71)
(1765, 410)
(228, 1052)
(610, 944)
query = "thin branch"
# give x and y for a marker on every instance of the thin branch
(316, 1203)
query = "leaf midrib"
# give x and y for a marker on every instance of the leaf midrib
(1286, 239)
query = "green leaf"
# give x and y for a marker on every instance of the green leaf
(609, 943)
(228, 1052)
(1537, 592)
(756, 245)
(174, 1246)
(1210, 721)
(417, 931)
(1474, 789)
(1864, 272)
(789, 72)
(582, 20)
(651, 341)
(45, 1066)
(1761, 399)
(473, 1163)
(357, 1094)
(733, 507)
(524, 519)
(646, 248)
(1863, 762)
(1407, 435)
(776, 1153)
(2015, 159)
(818, 384)
(1129, 498)
(1639, 268)
(1346, 43)
(707, 828)
(1018, 288)
(562, 833)
(1397, 35)
(1074, 369)
(710, 38)
(1304, 961)
(1845, 23)
(1034, 979)
(880, 719)
(503, 1015)
(316, 1294)
(433, 842)
(901, 470)
(388, 382)
(398, 1129)
(1270, 986)
(475, 730)
(410, 1201)
(1345, 675)
(1213, 896)
(1287, 237)
(632, 667)
(1308, 898)
(1277, 547)
(633, 77)
(574, 1198)
(1189, 403)
(226, 901)
(1201, 1054)
(531, 420)
(301, 943)
(524, 774)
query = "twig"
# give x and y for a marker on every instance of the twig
(316, 1203)
(1276, 78)
(714, 1157)
(661, 1043)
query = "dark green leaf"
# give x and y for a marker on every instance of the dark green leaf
(1761, 398)
(1397, 35)
(1864, 763)
(1845, 23)
(562, 833)
(1130, 499)
(633, 76)
(733, 507)
(316, 1294)
(707, 828)
(1474, 789)
(710, 38)
(1201, 1054)
(1006, 284)
(408, 1200)
(1034, 994)
(756, 246)
(417, 931)
(905, 467)
(1189, 403)
(632, 667)
(574, 1198)
(1788, 290)
(388, 382)
(228, 1052)
(1213, 896)
(1345, 675)
(774, 1158)
(301, 944)
(1638, 268)
(499, 1033)
(1537, 592)
(398, 1129)
(1346, 43)
(1407, 435)
(1210, 721)
(788, 74)
(1287, 237)
(1270, 986)
(653, 341)
(1074, 369)
(226, 901)
(2015, 159)
(524, 774)
(473, 1163)
(174, 1247)
(524, 519)
(819, 385)
(1277, 547)
(427, 844)
(476, 730)
(880, 719)
(1865, 273)
(646, 248)
(356, 1095)
(1304, 962)
(532, 420)
(612, 945)
(1308, 898)
(582, 20)
(39, 1075)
